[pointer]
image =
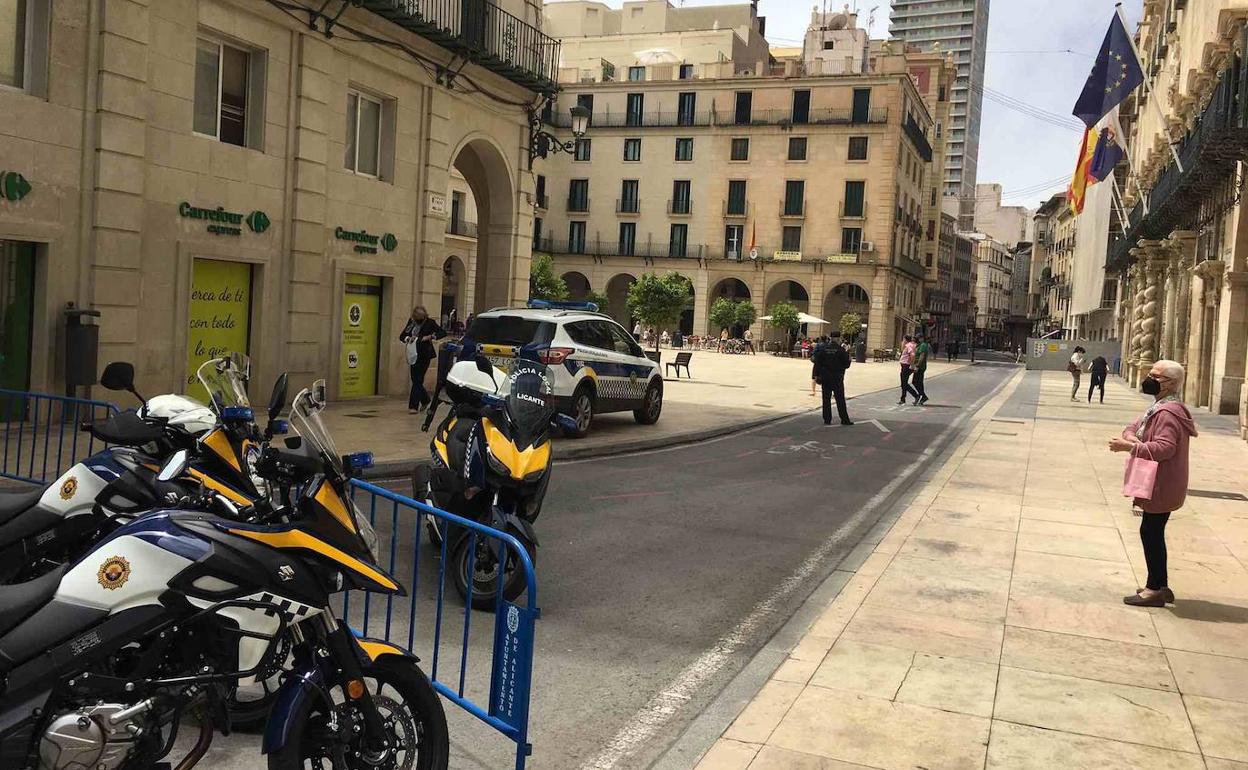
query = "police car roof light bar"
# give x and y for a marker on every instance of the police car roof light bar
(551, 304)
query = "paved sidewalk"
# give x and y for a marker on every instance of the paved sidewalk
(987, 629)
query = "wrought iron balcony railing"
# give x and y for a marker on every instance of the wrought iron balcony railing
(484, 33)
(920, 142)
(461, 228)
(605, 118)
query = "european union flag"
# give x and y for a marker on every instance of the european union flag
(1114, 76)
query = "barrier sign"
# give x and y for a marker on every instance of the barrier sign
(513, 657)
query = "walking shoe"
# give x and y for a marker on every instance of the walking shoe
(1166, 594)
(923, 399)
(902, 402)
(1135, 600)
(847, 422)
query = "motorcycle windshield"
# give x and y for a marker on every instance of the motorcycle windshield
(225, 379)
(305, 417)
(530, 399)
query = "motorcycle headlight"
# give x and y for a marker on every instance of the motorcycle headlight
(495, 464)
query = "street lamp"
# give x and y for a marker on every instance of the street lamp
(543, 143)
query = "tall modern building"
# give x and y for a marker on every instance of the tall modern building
(960, 26)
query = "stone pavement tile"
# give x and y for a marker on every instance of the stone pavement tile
(879, 733)
(838, 614)
(756, 722)
(875, 564)
(1019, 747)
(1211, 676)
(1070, 540)
(1100, 621)
(1064, 490)
(1087, 658)
(1062, 504)
(812, 647)
(1200, 625)
(980, 484)
(950, 684)
(976, 500)
(870, 669)
(728, 755)
(772, 758)
(1091, 516)
(943, 587)
(1114, 711)
(1224, 764)
(1074, 576)
(972, 546)
(1219, 726)
(959, 513)
(796, 671)
(935, 634)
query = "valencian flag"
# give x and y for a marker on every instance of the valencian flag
(1115, 75)
(1099, 153)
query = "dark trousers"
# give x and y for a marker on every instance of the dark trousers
(1153, 538)
(1098, 381)
(906, 389)
(918, 382)
(419, 396)
(834, 387)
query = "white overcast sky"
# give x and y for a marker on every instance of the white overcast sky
(1027, 40)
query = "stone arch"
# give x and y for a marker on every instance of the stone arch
(790, 290)
(484, 167)
(846, 297)
(617, 298)
(454, 287)
(729, 287)
(578, 285)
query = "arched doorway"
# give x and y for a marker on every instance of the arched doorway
(617, 299)
(578, 286)
(454, 280)
(793, 293)
(732, 289)
(846, 298)
(686, 318)
(485, 169)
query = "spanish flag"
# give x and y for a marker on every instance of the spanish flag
(1082, 178)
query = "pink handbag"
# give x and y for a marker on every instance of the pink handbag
(1140, 478)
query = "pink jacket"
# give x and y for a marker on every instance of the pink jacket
(1166, 438)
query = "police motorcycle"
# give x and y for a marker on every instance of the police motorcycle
(104, 659)
(490, 462)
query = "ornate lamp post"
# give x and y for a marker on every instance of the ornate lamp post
(543, 143)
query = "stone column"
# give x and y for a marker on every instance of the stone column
(1150, 317)
(1184, 244)
(1208, 280)
(1135, 334)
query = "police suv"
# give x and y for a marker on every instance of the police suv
(596, 366)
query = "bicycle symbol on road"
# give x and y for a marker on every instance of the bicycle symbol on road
(806, 447)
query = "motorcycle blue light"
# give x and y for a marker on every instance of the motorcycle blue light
(281, 427)
(237, 413)
(360, 460)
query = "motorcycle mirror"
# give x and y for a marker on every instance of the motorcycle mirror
(277, 401)
(174, 467)
(485, 367)
(242, 364)
(119, 375)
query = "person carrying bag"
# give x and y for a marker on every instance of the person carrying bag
(418, 336)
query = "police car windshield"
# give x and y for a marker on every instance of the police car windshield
(530, 399)
(508, 330)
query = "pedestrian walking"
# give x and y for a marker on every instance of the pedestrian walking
(1075, 367)
(749, 341)
(921, 354)
(828, 365)
(418, 335)
(907, 363)
(1158, 443)
(1099, 371)
(723, 339)
(637, 331)
(952, 350)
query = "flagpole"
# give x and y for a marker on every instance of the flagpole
(1148, 91)
(1123, 220)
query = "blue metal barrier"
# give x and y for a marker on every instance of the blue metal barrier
(41, 433)
(395, 518)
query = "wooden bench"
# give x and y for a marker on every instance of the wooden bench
(682, 359)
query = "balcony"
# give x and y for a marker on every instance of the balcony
(793, 209)
(603, 118)
(680, 207)
(736, 209)
(578, 205)
(921, 145)
(461, 228)
(481, 32)
(628, 205)
(597, 247)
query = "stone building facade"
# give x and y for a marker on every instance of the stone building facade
(217, 175)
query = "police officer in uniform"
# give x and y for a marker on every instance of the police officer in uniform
(830, 361)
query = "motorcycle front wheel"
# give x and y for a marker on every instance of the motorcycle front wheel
(416, 733)
(484, 571)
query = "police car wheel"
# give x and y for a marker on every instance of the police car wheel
(651, 405)
(582, 411)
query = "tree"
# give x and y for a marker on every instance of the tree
(784, 316)
(543, 283)
(850, 325)
(746, 313)
(659, 302)
(724, 313)
(598, 298)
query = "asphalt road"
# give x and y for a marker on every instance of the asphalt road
(660, 574)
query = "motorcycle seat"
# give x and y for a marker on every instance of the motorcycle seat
(13, 503)
(457, 443)
(17, 602)
(126, 429)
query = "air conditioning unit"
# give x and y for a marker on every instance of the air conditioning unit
(866, 246)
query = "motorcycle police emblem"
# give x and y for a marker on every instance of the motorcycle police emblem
(114, 573)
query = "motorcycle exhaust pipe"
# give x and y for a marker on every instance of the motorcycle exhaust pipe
(201, 746)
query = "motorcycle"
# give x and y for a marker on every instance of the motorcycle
(104, 658)
(490, 461)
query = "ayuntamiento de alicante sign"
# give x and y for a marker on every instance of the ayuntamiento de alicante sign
(222, 222)
(13, 186)
(365, 242)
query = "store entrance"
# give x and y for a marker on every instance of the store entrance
(220, 315)
(17, 293)
(361, 337)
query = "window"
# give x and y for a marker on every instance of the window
(578, 195)
(736, 197)
(851, 240)
(801, 106)
(829, 45)
(582, 149)
(229, 93)
(678, 243)
(633, 109)
(857, 148)
(931, 230)
(791, 239)
(537, 231)
(636, 73)
(797, 148)
(933, 196)
(939, 129)
(540, 191)
(862, 105)
(587, 101)
(681, 192)
(684, 149)
(630, 198)
(794, 197)
(632, 149)
(744, 111)
(363, 144)
(855, 198)
(929, 259)
(13, 26)
(686, 72)
(734, 236)
(576, 237)
(686, 105)
(457, 211)
(941, 94)
(740, 148)
(628, 238)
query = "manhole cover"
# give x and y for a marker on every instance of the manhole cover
(1216, 495)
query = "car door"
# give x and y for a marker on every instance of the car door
(593, 356)
(634, 374)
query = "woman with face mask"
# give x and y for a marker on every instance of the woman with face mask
(1162, 434)
(418, 335)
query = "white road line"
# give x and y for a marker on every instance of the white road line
(879, 425)
(665, 705)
